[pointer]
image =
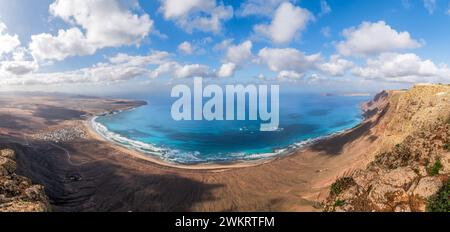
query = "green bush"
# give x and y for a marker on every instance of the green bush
(441, 201)
(339, 203)
(434, 170)
(341, 185)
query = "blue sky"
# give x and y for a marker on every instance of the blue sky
(310, 44)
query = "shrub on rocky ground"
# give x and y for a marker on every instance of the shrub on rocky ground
(341, 184)
(435, 168)
(441, 201)
(400, 156)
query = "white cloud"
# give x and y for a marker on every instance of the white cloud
(14, 59)
(173, 9)
(287, 59)
(105, 23)
(258, 8)
(19, 68)
(374, 38)
(288, 22)
(430, 5)
(336, 66)
(291, 63)
(19, 64)
(156, 57)
(408, 68)
(186, 48)
(290, 75)
(223, 45)
(102, 73)
(202, 15)
(8, 43)
(324, 8)
(119, 68)
(191, 70)
(67, 43)
(236, 56)
(174, 69)
(240, 54)
(108, 23)
(226, 70)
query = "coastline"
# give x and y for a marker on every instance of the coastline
(88, 173)
(214, 166)
(160, 162)
(298, 181)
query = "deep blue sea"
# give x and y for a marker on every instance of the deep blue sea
(303, 118)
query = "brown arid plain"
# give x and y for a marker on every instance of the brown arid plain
(80, 171)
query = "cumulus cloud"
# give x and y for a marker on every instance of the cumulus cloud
(288, 22)
(236, 56)
(186, 48)
(290, 75)
(202, 15)
(122, 27)
(409, 68)
(14, 59)
(336, 66)
(191, 70)
(156, 57)
(19, 67)
(69, 42)
(291, 63)
(19, 64)
(7, 42)
(240, 54)
(373, 39)
(178, 9)
(258, 8)
(102, 72)
(287, 59)
(108, 23)
(223, 45)
(119, 68)
(176, 70)
(227, 70)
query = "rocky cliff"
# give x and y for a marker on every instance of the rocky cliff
(410, 171)
(17, 193)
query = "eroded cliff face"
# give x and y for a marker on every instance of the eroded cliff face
(412, 164)
(17, 193)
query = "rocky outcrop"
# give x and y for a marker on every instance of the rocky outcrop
(414, 166)
(17, 193)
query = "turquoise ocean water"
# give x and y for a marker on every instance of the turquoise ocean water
(303, 118)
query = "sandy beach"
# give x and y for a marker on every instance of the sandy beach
(210, 166)
(88, 173)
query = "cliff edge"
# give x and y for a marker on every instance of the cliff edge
(17, 193)
(411, 168)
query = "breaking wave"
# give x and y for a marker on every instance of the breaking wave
(183, 157)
